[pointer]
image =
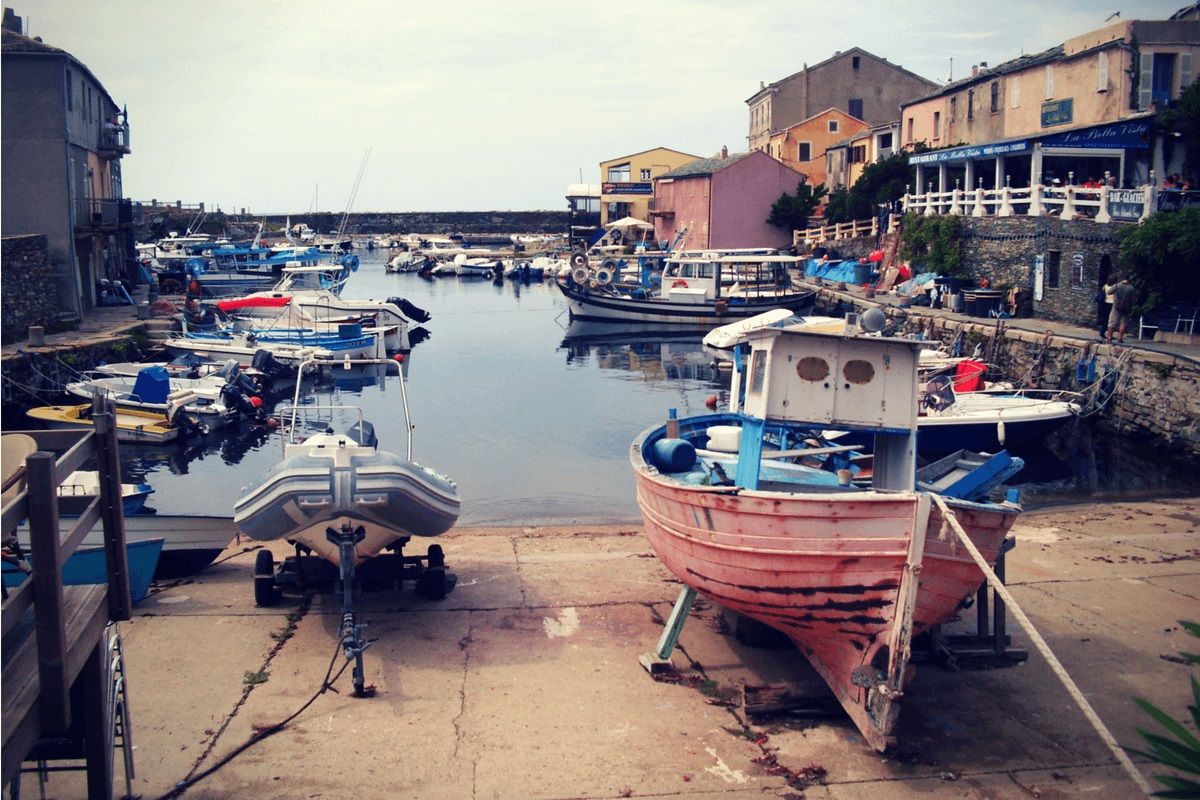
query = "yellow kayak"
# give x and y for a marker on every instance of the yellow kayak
(132, 425)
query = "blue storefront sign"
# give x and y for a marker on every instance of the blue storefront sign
(1130, 135)
(1058, 112)
(971, 152)
(645, 188)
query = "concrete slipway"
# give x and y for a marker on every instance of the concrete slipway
(524, 682)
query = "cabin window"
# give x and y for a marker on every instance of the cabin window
(758, 371)
(1053, 264)
(833, 126)
(812, 368)
(704, 270)
(804, 151)
(619, 173)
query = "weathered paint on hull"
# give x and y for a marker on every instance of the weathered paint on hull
(824, 568)
(589, 307)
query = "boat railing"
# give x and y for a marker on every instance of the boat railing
(347, 363)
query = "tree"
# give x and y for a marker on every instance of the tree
(791, 212)
(932, 244)
(837, 207)
(1162, 257)
(880, 183)
(1181, 121)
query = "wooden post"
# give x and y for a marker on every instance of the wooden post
(92, 699)
(46, 553)
(112, 512)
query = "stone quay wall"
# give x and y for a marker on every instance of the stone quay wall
(1153, 397)
(29, 295)
(1077, 256)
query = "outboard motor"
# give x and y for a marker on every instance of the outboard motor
(233, 397)
(417, 335)
(414, 313)
(265, 363)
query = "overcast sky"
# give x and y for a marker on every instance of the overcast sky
(271, 106)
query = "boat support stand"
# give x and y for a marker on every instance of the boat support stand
(353, 641)
(659, 661)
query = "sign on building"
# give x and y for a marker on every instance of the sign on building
(1126, 204)
(639, 187)
(1057, 112)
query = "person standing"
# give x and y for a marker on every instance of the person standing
(1122, 307)
(1104, 298)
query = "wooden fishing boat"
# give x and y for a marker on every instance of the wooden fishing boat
(139, 427)
(849, 572)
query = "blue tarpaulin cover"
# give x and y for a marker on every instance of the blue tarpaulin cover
(152, 385)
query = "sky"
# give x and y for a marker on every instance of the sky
(272, 106)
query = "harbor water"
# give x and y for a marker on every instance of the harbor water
(533, 417)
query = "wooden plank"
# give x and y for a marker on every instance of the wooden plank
(92, 698)
(80, 529)
(15, 605)
(112, 512)
(48, 591)
(73, 458)
(13, 513)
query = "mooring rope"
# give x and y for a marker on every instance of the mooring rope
(1040, 643)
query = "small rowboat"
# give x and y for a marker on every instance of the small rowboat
(142, 427)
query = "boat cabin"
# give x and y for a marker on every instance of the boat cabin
(709, 275)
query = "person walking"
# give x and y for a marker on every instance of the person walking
(1104, 299)
(1122, 307)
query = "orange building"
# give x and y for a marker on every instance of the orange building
(802, 146)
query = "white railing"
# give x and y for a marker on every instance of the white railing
(843, 230)
(1102, 204)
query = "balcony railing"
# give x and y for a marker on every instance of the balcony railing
(842, 230)
(103, 213)
(114, 139)
(1102, 204)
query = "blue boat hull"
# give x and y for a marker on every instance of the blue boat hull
(88, 565)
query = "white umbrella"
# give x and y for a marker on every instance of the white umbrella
(631, 222)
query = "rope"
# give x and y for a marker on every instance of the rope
(1040, 643)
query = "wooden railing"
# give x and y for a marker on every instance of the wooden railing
(53, 636)
(842, 230)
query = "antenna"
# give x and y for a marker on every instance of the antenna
(951, 78)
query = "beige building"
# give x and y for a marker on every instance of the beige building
(859, 83)
(627, 183)
(1073, 112)
(846, 160)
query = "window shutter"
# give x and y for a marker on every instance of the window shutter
(1145, 81)
(1016, 92)
(1049, 82)
(1185, 70)
(1102, 71)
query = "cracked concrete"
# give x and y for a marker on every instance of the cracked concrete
(524, 682)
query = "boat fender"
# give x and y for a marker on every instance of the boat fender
(604, 275)
(581, 275)
(679, 283)
(673, 455)
(1000, 432)
(579, 259)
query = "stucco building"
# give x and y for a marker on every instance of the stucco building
(63, 139)
(1076, 111)
(846, 160)
(723, 202)
(802, 146)
(627, 182)
(862, 84)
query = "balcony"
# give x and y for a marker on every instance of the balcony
(657, 208)
(114, 140)
(106, 214)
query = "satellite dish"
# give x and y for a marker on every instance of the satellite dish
(873, 320)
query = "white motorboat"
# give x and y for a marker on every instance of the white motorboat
(477, 267)
(410, 261)
(245, 345)
(337, 495)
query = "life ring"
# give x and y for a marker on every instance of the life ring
(604, 276)
(679, 283)
(581, 275)
(615, 236)
(579, 259)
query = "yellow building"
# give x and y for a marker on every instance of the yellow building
(627, 183)
(1081, 110)
(846, 160)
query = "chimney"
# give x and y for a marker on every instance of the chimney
(974, 70)
(762, 85)
(724, 152)
(983, 65)
(12, 22)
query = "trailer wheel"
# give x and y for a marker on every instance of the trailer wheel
(265, 595)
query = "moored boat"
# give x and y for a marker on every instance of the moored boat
(849, 572)
(139, 427)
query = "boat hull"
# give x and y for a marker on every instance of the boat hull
(325, 487)
(88, 564)
(136, 427)
(588, 306)
(824, 567)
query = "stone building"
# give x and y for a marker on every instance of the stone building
(862, 84)
(63, 140)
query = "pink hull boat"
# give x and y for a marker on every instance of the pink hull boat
(849, 571)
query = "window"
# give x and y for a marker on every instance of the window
(910, 129)
(1102, 71)
(1016, 92)
(645, 173)
(804, 151)
(937, 124)
(953, 108)
(758, 371)
(995, 96)
(856, 107)
(1162, 79)
(833, 126)
(619, 173)
(858, 154)
(70, 91)
(1053, 262)
(970, 104)
(854, 62)
(1049, 81)
(885, 141)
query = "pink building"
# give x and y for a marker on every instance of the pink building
(723, 202)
